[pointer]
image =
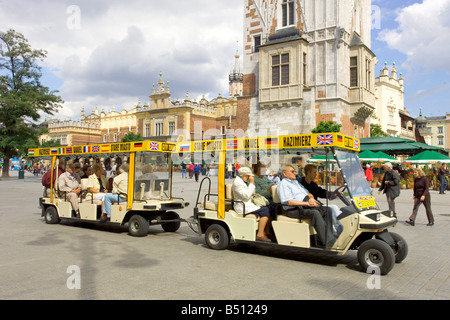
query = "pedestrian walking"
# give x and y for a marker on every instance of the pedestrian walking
(191, 170)
(442, 176)
(197, 168)
(390, 185)
(183, 170)
(421, 195)
(369, 174)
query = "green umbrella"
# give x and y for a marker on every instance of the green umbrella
(384, 157)
(321, 159)
(428, 156)
(368, 155)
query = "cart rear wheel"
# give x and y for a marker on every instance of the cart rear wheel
(375, 253)
(217, 237)
(171, 226)
(138, 226)
(401, 250)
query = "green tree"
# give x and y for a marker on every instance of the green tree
(327, 126)
(22, 96)
(131, 136)
(376, 131)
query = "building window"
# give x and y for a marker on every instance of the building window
(440, 140)
(288, 12)
(158, 129)
(440, 130)
(257, 40)
(223, 130)
(115, 137)
(147, 129)
(353, 71)
(304, 69)
(105, 138)
(368, 74)
(280, 69)
(171, 128)
(391, 117)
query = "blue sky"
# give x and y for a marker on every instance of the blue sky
(108, 53)
(415, 35)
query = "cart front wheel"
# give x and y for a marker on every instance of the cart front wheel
(376, 255)
(51, 215)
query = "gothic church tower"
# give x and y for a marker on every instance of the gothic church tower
(307, 61)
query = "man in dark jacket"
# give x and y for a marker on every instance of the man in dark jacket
(390, 186)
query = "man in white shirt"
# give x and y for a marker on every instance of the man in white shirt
(70, 185)
(299, 203)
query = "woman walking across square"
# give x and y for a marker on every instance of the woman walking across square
(421, 194)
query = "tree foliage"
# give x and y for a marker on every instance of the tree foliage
(22, 96)
(377, 131)
(327, 126)
(131, 136)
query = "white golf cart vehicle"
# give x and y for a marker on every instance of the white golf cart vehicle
(364, 225)
(148, 200)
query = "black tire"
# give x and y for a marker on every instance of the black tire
(401, 250)
(217, 237)
(171, 226)
(138, 226)
(376, 253)
(51, 215)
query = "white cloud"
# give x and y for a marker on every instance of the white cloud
(423, 34)
(117, 50)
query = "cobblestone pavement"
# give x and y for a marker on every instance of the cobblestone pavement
(37, 261)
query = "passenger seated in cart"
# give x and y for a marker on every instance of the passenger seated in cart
(243, 191)
(298, 203)
(119, 192)
(319, 192)
(97, 185)
(69, 185)
(263, 185)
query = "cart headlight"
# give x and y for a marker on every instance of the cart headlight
(374, 216)
(388, 213)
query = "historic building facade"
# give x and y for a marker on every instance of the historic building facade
(162, 119)
(175, 120)
(390, 110)
(307, 61)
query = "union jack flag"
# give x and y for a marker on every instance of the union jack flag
(154, 146)
(356, 144)
(96, 149)
(324, 139)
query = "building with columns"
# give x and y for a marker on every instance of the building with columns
(307, 61)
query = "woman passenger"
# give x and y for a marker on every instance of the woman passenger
(97, 184)
(243, 190)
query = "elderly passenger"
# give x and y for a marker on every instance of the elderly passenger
(243, 191)
(298, 203)
(70, 185)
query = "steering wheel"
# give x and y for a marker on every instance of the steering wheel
(337, 193)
